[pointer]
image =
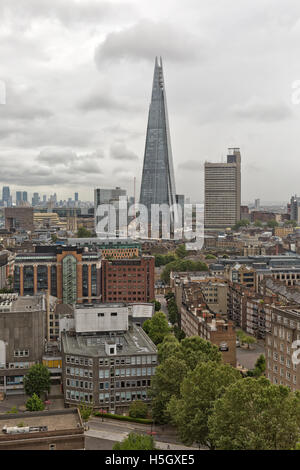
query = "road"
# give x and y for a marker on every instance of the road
(162, 300)
(112, 431)
(248, 357)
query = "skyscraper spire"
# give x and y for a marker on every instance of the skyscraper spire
(158, 182)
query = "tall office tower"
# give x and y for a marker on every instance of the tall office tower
(25, 196)
(44, 198)
(19, 197)
(223, 191)
(6, 196)
(112, 198)
(158, 182)
(76, 197)
(257, 204)
(35, 199)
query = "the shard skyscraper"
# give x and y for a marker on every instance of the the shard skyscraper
(158, 183)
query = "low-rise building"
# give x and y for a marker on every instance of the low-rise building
(42, 430)
(107, 359)
(22, 338)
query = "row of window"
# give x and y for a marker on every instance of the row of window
(79, 384)
(79, 396)
(79, 372)
(129, 360)
(79, 360)
(123, 384)
(123, 396)
(21, 353)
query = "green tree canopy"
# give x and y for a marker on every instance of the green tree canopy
(254, 414)
(84, 233)
(157, 305)
(199, 390)
(181, 251)
(176, 359)
(37, 380)
(34, 403)
(85, 411)
(138, 409)
(157, 327)
(135, 441)
(164, 384)
(182, 265)
(241, 223)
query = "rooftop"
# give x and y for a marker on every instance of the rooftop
(56, 420)
(133, 341)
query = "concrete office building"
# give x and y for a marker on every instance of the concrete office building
(107, 360)
(22, 338)
(111, 197)
(222, 206)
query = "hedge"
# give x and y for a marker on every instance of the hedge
(123, 418)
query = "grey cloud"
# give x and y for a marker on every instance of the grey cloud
(191, 165)
(22, 104)
(121, 152)
(145, 40)
(103, 101)
(258, 110)
(68, 12)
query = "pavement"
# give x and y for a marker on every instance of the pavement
(248, 357)
(103, 434)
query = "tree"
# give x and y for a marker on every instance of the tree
(181, 251)
(164, 384)
(260, 367)
(157, 327)
(195, 349)
(83, 233)
(53, 238)
(179, 333)
(138, 409)
(254, 414)
(245, 339)
(272, 223)
(170, 346)
(176, 360)
(135, 441)
(199, 390)
(37, 380)
(241, 223)
(258, 223)
(210, 256)
(182, 265)
(34, 403)
(85, 411)
(157, 305)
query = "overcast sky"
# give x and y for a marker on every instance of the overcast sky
(78, 78)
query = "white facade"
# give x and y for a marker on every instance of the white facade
(110, 317)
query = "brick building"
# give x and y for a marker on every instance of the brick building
(284, 329)
(128, 280)
(19, 218)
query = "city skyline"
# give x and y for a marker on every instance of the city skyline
(69, 120)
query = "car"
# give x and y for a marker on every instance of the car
(237, 343)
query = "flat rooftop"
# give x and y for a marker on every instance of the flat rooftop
(54, 420)
(15, 303)
(134, 341)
